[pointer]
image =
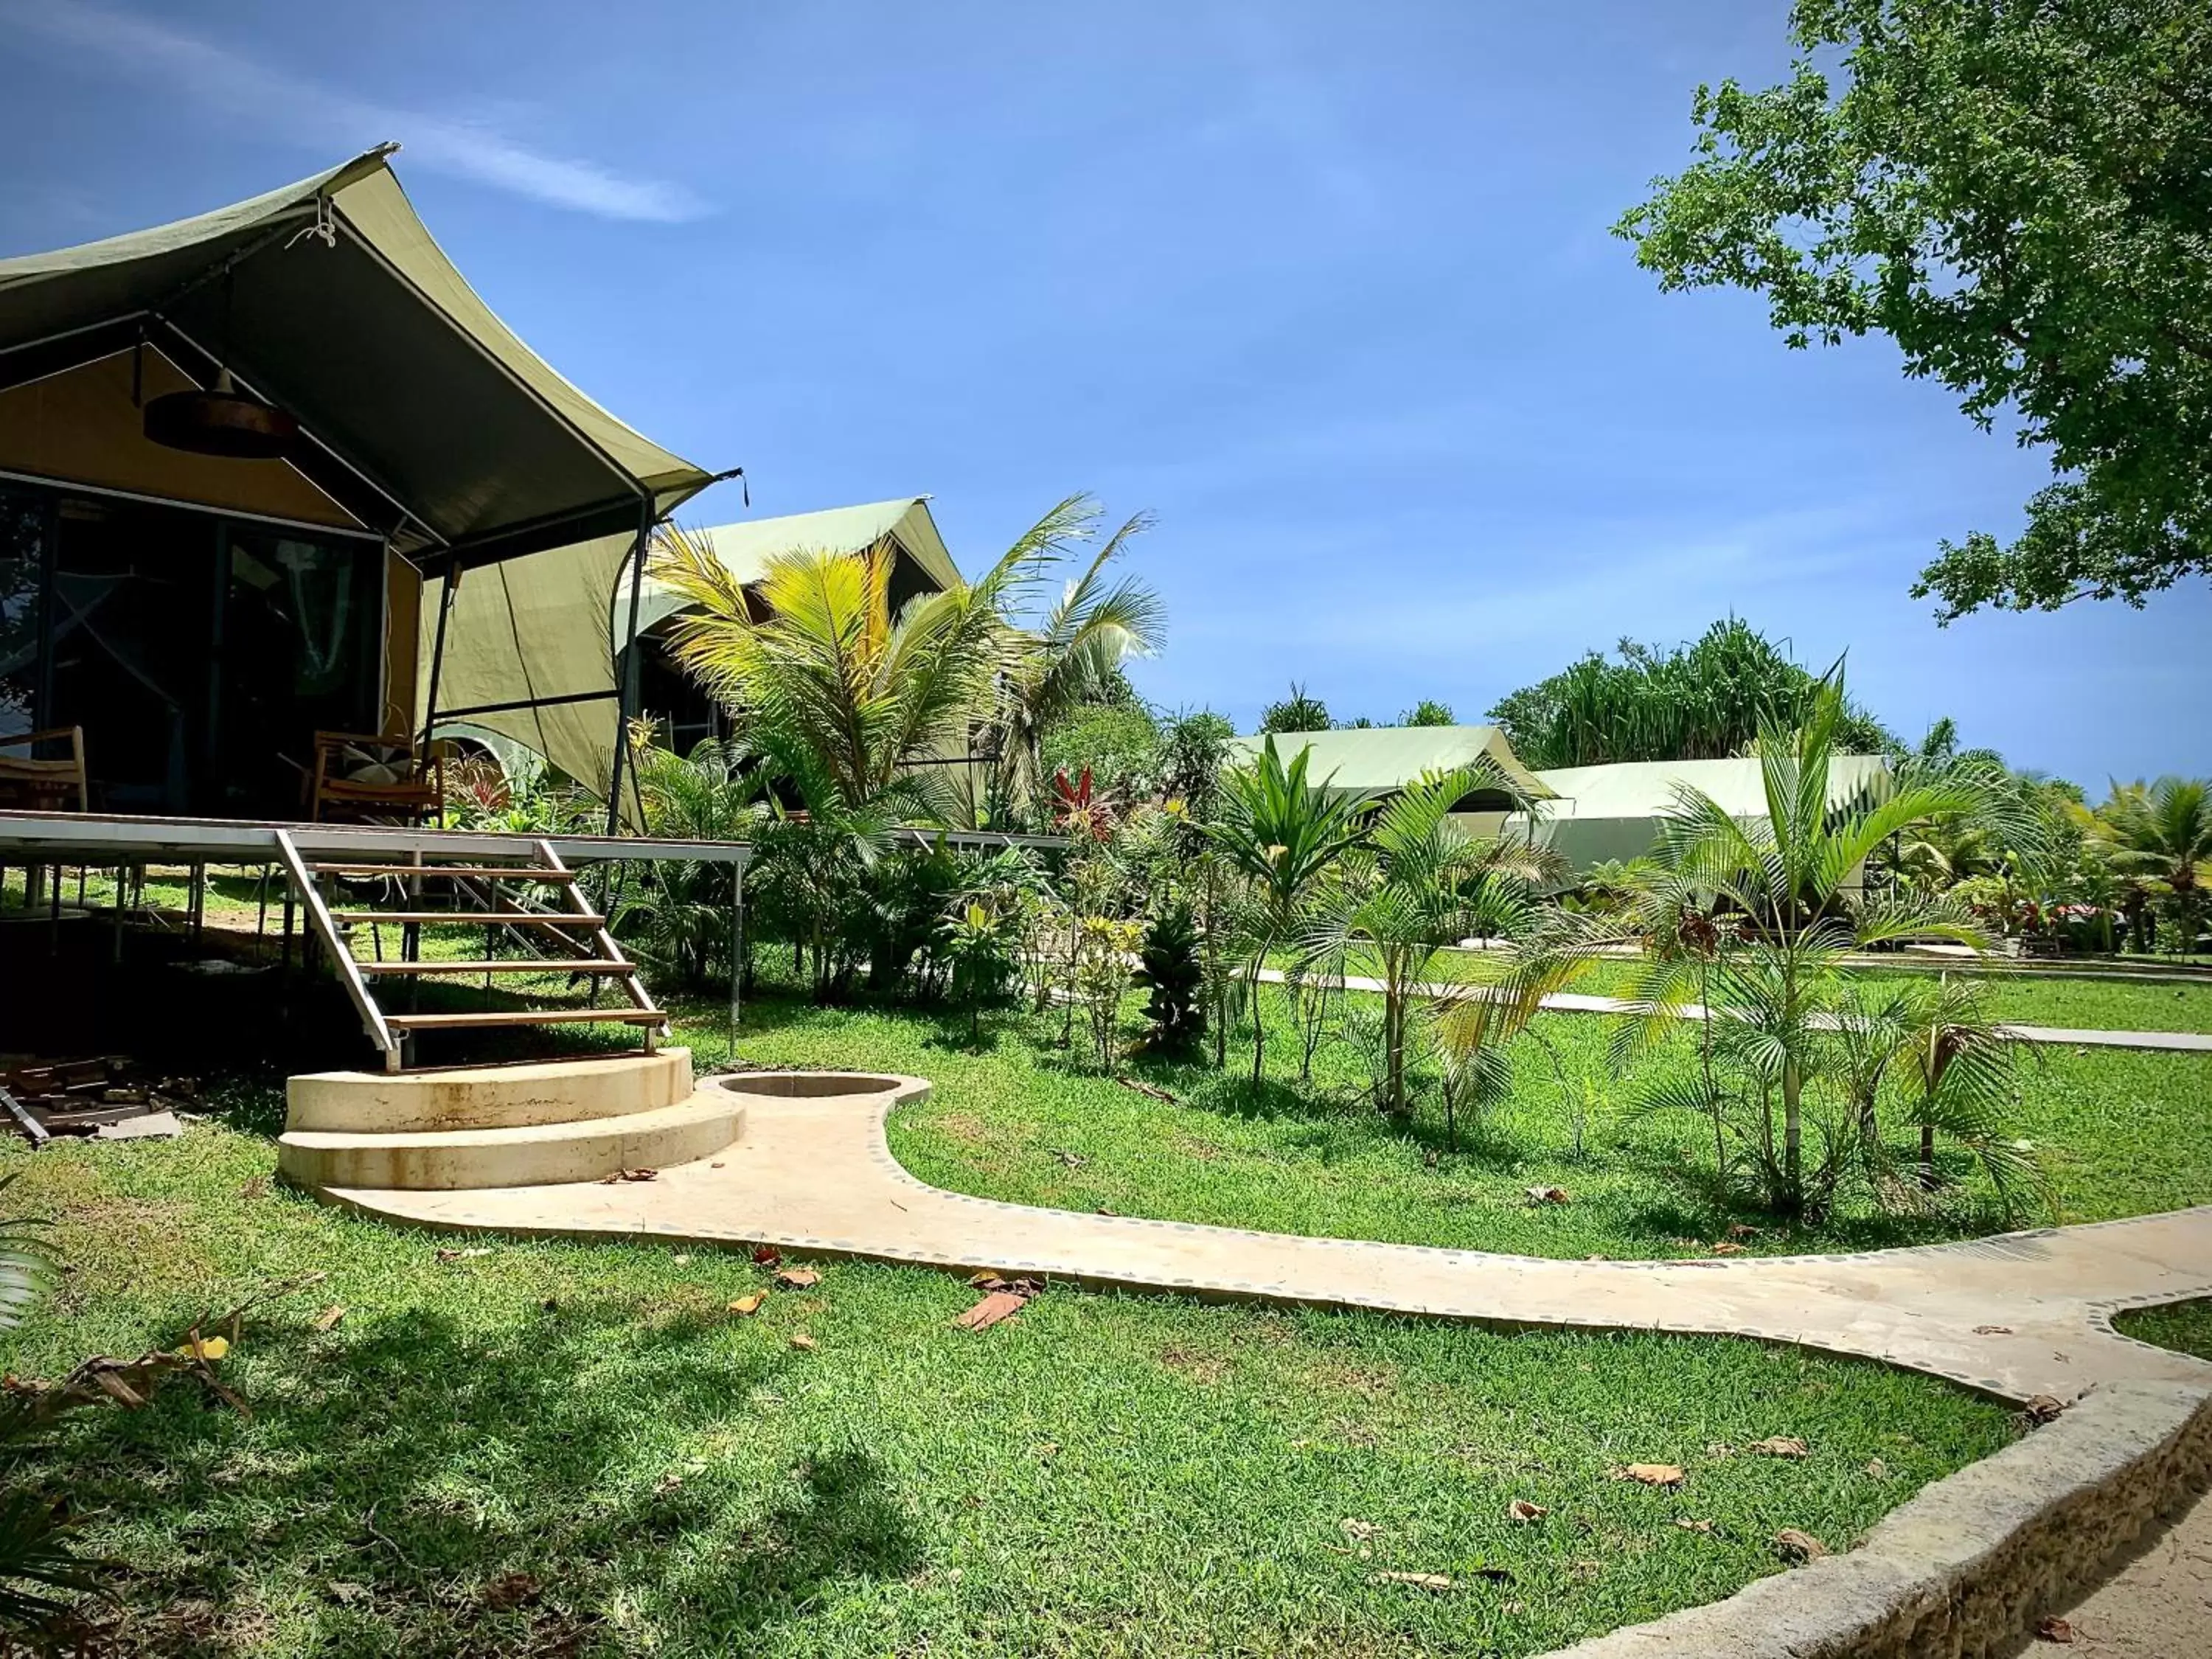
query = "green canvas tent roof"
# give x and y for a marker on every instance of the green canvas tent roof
(1377, 759)
(1614, 813)
(423, 414)
(744, 549)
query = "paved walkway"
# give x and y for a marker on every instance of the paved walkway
(1576, 1002)
(2016, 1315)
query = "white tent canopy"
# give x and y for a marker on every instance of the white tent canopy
(1615, 813)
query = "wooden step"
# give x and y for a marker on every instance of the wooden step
(464, 871)
(527, 1017)
(504, 965)
(474, 917)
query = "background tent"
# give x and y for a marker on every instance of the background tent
(1382, 759)
(1615, 813)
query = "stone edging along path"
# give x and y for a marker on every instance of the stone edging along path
(2017, 1315)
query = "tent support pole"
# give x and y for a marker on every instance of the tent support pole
(626, 670)
(445, 592)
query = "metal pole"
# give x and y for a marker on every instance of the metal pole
(737, 950)
(625, 666)
(450, 587)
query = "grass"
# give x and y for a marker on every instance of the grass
(2184, 1327)
(559, 1449)
(1021, 1121)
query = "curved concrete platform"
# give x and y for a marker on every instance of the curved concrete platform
(547, 1124)
(2015, 1317)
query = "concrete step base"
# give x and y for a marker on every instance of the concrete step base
(487, 1096)
(525, 1155)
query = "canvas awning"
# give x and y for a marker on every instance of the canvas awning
(425, 416)
(1381, 759)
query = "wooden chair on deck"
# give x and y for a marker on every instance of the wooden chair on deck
(31, 783)
(360, 778)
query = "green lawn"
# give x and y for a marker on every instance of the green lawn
(2185, 1327)
(553, 1449)
(2123, 1132)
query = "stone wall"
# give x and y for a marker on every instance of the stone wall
(1964, 1570)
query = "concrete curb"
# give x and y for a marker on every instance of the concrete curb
(1964, 1570)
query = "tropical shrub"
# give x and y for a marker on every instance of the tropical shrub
(1172, 972)
(1295, 712)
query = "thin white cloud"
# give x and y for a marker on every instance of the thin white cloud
(241, 88)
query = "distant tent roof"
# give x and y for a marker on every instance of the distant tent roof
(744, 549)
(429, 420)
(1376, 759)
(1614, 813)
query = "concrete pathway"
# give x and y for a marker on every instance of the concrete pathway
(1576, 1002)
(2157, 1605)
(2016, 1315)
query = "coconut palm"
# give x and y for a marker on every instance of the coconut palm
(841, 696)
(1282, 834)
(1416, 883)
(2161, 835)
(1073, 654)
(1785, 926)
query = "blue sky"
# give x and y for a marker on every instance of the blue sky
(1327, 287)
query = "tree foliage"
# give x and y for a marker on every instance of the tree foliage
(1295, 712)
(2020, 196)
(1428, 712)
(1699, 701)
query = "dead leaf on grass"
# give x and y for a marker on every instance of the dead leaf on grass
(797, 1278)
(995, 1308)
(1148, 1089)
(1688, 1525)
(329, 1316)
(802, 1342)
(513, 1589)
(766, 1256)
(667, 1484)
(2042, 1407)
(1547, 1194)
(1727, 1250)
(346, 1592)
(1427, 1581)
(451, 1256)
(1877, 1468)
(749, 1305)
(1781, 1445)
(2054, 1630)
(679, 1261)
(1359, 1531)
(1650, 1474)
(1719, 1449)
(1798, 1548)
(1073, 1160)
(203, 1347)
(1744, 1230)
(1521, 1509)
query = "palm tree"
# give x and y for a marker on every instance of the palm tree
(1073, 652)
(841, 696)
(2161, 834)
(1780, 963)
(1282, 834)
(1417, 882)
(682, 907)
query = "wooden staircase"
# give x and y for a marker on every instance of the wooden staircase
(562, 935)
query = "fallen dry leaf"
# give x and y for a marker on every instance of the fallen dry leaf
(2054, 1630)
(1547, 1194)
(1992, 1330)
(1687, 1525)
(621, 1175)
(765, 1255)
(1427, 1581)
(716, 1164)
(996, 1308)
(1719, 1449)
(1359, 1531)
(802, 1342)
(2042, 1407)
(797, 1278)
(1744, 1230)
(513, 1589)
(680, 1261)
(1798, 1548)
(463, 1255)
(1877, 1468)
(1727, 1250)
(344, 1590)
(1781, 1445)
(1650, 1474)
(667, 1484)
(1521, 1509)
(1148, 1089)
(328, 1317)
(1073, 1160)
(749, 1305)
(203, 1347)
